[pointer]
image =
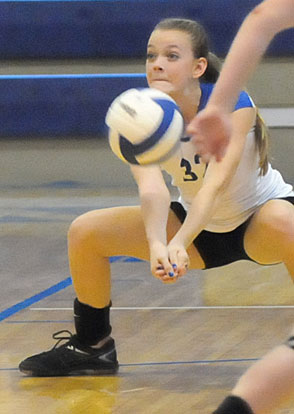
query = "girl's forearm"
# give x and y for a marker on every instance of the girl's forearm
(155, 209)
(199, 214)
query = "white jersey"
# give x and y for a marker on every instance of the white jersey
(246, 192)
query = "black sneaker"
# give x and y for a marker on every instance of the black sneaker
(72, 358)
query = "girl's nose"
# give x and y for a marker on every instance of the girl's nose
(158, 68)
(158, 65)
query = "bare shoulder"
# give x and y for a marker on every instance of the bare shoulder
(243, 120)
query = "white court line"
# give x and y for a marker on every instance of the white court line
(133, 390)
(179, 308)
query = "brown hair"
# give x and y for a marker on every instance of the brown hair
(262, 143)
(200, 47)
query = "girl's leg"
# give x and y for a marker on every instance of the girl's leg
(92, 239)
(269, 238)
(97, 235)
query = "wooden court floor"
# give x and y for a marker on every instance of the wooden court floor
(180, 347)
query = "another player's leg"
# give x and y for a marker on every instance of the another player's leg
(268, 382)
(233, 405)
(265, 385)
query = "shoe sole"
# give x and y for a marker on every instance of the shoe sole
(81, 372)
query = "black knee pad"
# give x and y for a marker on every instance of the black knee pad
(290, 342)
(233, 405)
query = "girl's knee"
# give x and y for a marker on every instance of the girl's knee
(277, 216)
(81, 228)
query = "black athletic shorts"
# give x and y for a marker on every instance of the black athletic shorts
(219, 249)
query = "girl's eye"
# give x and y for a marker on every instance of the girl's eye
(173, 56)
(150, 56)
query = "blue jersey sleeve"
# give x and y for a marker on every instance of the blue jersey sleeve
(244, 101)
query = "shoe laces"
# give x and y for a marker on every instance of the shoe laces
(60, 336)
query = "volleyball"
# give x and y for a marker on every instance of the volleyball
(145, 126)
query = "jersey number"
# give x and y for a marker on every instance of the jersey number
(189, 174)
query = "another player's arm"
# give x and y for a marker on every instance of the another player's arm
(155, 205)
(217, 177)
(249, 45)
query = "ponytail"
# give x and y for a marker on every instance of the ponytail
(213, 69)
(262, 143)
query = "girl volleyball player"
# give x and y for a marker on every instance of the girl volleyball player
(227, 211)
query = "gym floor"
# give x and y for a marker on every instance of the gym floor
(180, 347)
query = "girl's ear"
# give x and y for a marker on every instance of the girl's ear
(200, 67)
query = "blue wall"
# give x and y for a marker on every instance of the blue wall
(56, 105)
(76, 105)
(114, 28)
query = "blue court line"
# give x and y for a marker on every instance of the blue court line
(51, 290)
(124, 259)
(204, 361)
(8, 369)
(75, 76)
(151, 364)
(116, 259)
(132, 259)
(24, 219)
(35, 298)
(56, 321)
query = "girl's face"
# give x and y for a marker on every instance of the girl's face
(170, 64)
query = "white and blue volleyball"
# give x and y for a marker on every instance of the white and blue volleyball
(145, 126)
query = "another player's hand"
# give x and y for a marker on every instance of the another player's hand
(210, 131)
(161, 266)
(179, 258)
